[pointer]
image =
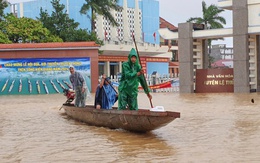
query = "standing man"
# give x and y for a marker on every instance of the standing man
(132, 74)
(79, 85)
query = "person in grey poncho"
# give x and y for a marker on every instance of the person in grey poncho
(79, 85)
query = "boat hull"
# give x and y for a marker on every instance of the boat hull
(131, 120)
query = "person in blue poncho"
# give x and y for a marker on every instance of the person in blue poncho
(105, 96)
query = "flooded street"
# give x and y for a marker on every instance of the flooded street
(212, 128)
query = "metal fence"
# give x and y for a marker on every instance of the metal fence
(152, 80)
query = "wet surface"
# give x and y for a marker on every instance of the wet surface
(212, 128)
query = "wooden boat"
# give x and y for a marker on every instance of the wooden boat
(135, 121)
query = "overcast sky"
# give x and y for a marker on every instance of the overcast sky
(17, 1)
(179, 11)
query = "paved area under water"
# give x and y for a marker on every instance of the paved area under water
(212, 128)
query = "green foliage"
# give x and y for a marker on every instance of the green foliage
(101, 7)
(61, 25)
(3, 5)
(211, 18)
(59, 22)
(4, 38)
(93, 37)
(26, 30)
(82, 35)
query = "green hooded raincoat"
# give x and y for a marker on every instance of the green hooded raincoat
(128, 87)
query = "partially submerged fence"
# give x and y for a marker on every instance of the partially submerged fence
(152, 80)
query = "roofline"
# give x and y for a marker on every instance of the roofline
(40, 49)
(176, 28)
(49, 46)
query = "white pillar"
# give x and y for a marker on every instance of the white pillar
(137, 26)
(116, 68)
(107, 68)
(21, 10)
(125, 22)
(120, 66)
(67, 6)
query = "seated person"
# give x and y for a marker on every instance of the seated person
(106, 96)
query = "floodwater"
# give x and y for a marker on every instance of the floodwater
(212, 128)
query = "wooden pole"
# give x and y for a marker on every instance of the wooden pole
(141, 67)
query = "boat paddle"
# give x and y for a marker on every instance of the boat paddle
(141, 68)
(111, 85)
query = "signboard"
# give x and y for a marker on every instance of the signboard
(39, 75)
(214, 80)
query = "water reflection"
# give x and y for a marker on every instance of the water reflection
(127, 146)
(141, 146)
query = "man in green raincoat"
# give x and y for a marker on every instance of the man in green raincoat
(132, 74)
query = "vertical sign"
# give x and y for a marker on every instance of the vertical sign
(143, 64)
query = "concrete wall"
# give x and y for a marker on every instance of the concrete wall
(185, 44)
(241, 49)
(258, 62)
(253, 14)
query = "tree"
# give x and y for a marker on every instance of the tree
(61, 25)
(210, 19)
(26, 30)
(82, 35)
(59, 22)
(101, 7)
(4, 38)
(3, 5)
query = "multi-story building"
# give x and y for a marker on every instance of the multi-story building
(31, 9)
(138, 18)
(135, 19)
(172, 45)
(245, 33)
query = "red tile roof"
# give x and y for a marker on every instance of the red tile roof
(48, 45)
(166, 24)
(220, 63)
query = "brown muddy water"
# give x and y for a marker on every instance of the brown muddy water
(212, 128)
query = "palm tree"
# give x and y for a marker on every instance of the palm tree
(101, 7)
(210, 19)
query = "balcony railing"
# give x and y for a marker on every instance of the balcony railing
(166, 43)
(110, 42)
